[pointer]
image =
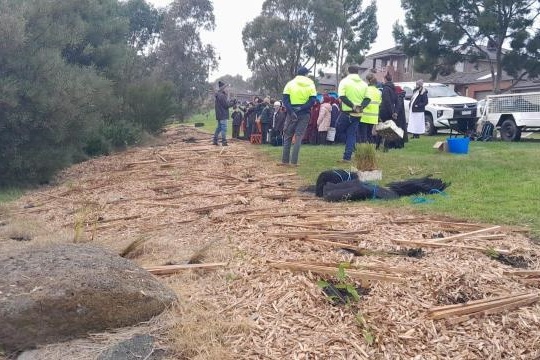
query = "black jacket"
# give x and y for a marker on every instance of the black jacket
(237, 117)
(389, 103)
(419, 104)
(222, 105)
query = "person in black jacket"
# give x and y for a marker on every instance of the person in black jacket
(417, 107)
(222, 105)
(236, 122)
(389, 107)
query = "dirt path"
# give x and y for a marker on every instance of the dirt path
(185, 198)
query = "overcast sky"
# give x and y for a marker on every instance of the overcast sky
(231, 16)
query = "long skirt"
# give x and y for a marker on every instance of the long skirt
(417, 123)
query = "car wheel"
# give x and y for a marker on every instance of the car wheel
(510, 131)
(430, 127)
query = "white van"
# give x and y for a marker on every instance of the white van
(445, 108)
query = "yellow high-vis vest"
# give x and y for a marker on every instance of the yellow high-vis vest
(300, 89)
(370, 115)
(354, 88)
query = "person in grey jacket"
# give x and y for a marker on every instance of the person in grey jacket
(222, 106)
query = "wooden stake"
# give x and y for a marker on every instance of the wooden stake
(362, 275)
(173, 269)
(466, 309)
(438, 245)
(495, 310)
(467, 234)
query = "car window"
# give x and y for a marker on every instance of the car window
(408, 92)
(436, 91)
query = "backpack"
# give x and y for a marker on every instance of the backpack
(486, 133)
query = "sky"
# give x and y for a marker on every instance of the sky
(232, 16)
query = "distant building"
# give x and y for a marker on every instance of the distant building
(469, 79)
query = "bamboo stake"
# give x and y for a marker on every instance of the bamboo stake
(362, 275)
(522, 273)
(302, 234)
(495, 310)
(467, 234)
(173, 269)
(473, 302)
(466, 309)
(438, 245)
(143, 162)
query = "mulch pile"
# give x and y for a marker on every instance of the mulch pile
(185, 193)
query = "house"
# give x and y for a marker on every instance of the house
(469, 79)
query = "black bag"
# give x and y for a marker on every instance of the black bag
(487, 132)
(275, 138)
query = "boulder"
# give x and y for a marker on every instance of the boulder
(59, 292)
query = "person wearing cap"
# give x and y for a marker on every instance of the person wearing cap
(352, 93)
(299, 95)
(222, 105)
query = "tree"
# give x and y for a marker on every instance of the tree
(441, 33)
(357, 30)
(145, 23)
(288, 34)
(182, 58)
(292, 33)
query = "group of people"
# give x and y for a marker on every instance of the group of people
(350, 118)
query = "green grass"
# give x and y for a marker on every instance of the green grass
(9, 194)
(209, 121)
(497, 182)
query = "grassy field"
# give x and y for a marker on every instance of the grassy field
(496, 182)
(9, 194)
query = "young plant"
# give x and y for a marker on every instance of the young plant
(365, 157)
(341, 291)
(367, 331)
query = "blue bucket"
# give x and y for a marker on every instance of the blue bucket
(458, 145)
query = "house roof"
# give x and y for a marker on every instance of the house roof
(328, 79)
(470, 77)
(388, 52)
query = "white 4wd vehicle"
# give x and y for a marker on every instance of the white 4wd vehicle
(513, 113)
(445, 108)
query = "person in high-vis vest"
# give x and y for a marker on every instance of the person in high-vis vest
(299, 96)
(370, 115)
(352, 93)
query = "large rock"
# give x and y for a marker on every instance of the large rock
(51, 294)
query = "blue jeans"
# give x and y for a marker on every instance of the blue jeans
(221, 127)
(350, 125)
(296, 128)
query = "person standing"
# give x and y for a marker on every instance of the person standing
(280, 114)
(299, 95)
(222, 105)
(236, 122)
(323, 121)
(352, 93)
(417, 107)
(266, 119)
(389, 109)
(370, 114)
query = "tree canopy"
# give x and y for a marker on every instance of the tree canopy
(292, 33)
(440, 33)
(79, 78)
